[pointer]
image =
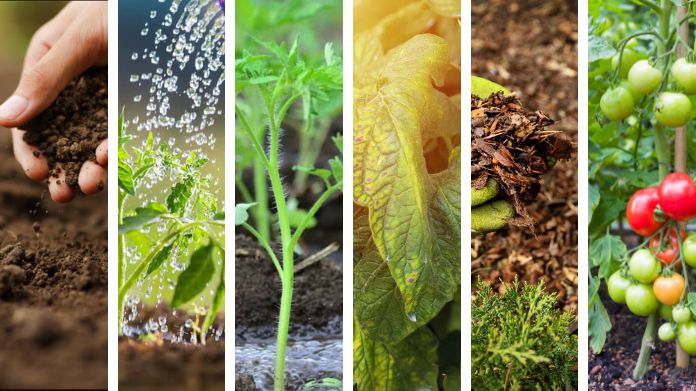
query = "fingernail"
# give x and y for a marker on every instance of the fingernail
(13, 107)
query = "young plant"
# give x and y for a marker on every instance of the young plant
(188, 223)
(275, 77)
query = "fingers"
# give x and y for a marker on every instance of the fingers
(92, 178)
(82, 45)
(103, 153)
(33, 164)
(46, 36)
(59, 189)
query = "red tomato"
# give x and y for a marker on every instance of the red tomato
(677, 194)
(640, 211)
(670, 250)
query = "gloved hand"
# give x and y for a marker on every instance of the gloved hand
(487, 213)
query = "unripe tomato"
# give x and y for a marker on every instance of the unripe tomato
(666, 332)
(617, 285)
(673, 109)
(668, 289)
(617, 103)
(670, 247)
(629, 58)
(641, 300)
(677, 194)
(666, 312)
(686, 335)
(681, 314)
(689, 250)
(643, 266)
(684, 74)
(644, 77)
(640, 211)
(636, 96)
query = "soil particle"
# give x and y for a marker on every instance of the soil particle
(11, 279)
(12, 254)
(68, 133)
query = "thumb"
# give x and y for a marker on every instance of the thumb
(39, 86)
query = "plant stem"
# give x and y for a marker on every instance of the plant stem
(121, 253)
(261, 215)
(645, 346)
(284, 321)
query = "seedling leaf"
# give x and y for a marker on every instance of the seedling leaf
(158, 259)
(241, 214)
(196, 276)
(146, 215)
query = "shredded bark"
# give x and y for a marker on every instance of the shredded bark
(513, 146)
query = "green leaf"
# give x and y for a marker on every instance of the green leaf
(159, 258)
(241, 213)
(138, 239)
(143, 216)
(125, 173)
(483, 88)
(599, 326)
(180, 194)
(409, 365)
(594, 197)
(337, 169)
(218, 299)
(607, 252)
(195, 277)
(219, 216)
(452, 379)
(691, 299)
(599, 49)
(323, 384)
(320, 172)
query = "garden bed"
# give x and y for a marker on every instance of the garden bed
(53, 285)
(530, 47)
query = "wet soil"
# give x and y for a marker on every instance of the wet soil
(152, 362)
(613, 368)
(530, 47)
(68, 133)
(53, 284)
(316, 310)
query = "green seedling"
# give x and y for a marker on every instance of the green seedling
(270, 80)
(188, 223)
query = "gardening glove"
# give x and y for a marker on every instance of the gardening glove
(65, 47)
(487, 213)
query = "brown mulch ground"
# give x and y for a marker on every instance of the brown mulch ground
(530, 47)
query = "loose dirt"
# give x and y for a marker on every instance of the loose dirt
(53, 285)
(68, 133)
(530, 47)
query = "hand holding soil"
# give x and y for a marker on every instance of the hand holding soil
(65, 47)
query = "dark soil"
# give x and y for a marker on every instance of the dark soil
(171, 366)
(613, 368)
(53, 285)
(68, 133)
(530, 47)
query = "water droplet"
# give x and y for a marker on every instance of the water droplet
(137, 98)
(144, 31)
(134, 56)
(188, 323)
(153, 14)
(412, 316)
(134, 78)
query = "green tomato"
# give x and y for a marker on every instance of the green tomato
(643, 266)
(636, 96)
(686, 334)
(644, 78)
(673, 109)
(617, 285)
(641, 300)
(617, 103)
(684, 74)
(666, 312)
(681, 314)
(629, 58)
(689, 249)
(666, 332)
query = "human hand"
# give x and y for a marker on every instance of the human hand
(65, 47)
(488, 214)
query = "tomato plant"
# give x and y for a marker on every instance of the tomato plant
(640, 211)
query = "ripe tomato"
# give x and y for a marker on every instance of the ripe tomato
(677, 194)
(681, 314)
(670, 249)
(689, 250)
(686, 334)
(666, 332)
(668, 289)
(684, 74)
(643, 266)
(617, 285)
(617, 103)
(641, 300)
(673, 109)
(629, 58)
(644, 77)
(640, 211)
(666, 312)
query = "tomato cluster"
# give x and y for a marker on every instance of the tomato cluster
(650, 281)
(672, 108)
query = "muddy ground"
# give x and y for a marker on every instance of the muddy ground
(613, 368)
(53, 284)
(530, 47)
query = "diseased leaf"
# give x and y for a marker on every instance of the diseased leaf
(408, 365)
(196, 276)
(391, 178)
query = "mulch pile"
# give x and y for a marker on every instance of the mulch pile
(530, 47)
